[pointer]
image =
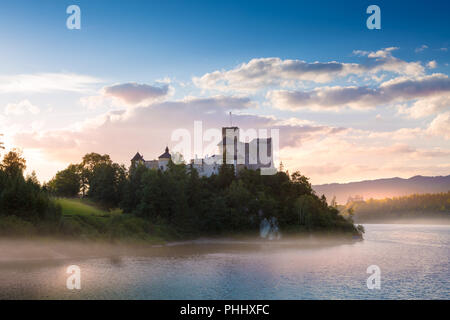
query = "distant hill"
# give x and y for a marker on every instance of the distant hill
(425, 208)
(382, 188)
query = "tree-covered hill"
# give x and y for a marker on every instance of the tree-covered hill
(384, 188)
(23, 201)
(222, 203)
(430, 206)
(177, 198)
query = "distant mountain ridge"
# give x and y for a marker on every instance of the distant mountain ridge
(382, 188)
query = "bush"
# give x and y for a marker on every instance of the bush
(14, 226)
(24, 197)
(127, 226)
(70, 227)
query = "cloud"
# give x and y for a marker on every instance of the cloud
(47, 82)
(216, 103)
(260, 73)
(323, 98)
(324, 169)
(440, 126)
(395, 90)
(383, 61)
(148, 129)
(383, 53)
(361, 52)
(427, 106)
(21, 108)
(136, 93)
(305, 145)
(432, 64)
(421, 48)
(323, 151)
(359, 155)
(96, 101)
(398, 135)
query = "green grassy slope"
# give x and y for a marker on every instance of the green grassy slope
(80, 207)
(82, 219)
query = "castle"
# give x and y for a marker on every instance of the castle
(253, 155)
(161, 163)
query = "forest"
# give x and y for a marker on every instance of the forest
(415, 206)
(141, 201)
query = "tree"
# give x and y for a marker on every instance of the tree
(13, 163)
(238, 199)
(303, 205)
(106, 183)
(301, 183)
(333, 202)
(350, 213)
(435, 205)
(96, 176)
(1, 142)
(194, 205)
(226, 176)
(150, 196)
(23, 198)
(67, 182)
(89, 162)
(133, 187)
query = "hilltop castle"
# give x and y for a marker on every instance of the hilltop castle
(161, 163)
(253, 155)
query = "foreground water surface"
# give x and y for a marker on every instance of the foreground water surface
(414, 263)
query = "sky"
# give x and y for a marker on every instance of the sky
(350, 103)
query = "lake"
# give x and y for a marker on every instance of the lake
(413, 259)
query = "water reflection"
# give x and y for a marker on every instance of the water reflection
(414, 261)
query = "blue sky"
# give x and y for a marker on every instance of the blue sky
(156, 43)
(185, 38)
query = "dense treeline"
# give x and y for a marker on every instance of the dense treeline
(23, 201)
(96, 178)
(435, 205)
(177, 200)
(221, 203)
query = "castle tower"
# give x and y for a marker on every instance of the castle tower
(138, 158)
(229, 146)
(163, 160)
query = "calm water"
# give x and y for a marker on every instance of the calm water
(414, 263)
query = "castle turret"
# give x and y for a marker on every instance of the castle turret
(163, 160)
(166, 155)
(138, 158)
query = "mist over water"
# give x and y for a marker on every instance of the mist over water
(414, 263)
(269, 229)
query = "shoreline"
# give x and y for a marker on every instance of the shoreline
(429, 222)
(39, 250)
